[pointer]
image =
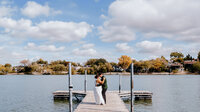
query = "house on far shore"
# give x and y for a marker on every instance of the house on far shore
(188, 64)
(176, 66)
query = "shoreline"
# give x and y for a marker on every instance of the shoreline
(116, 73)
(154, 73)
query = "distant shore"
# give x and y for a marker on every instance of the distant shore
(122, 73)
(153, 73)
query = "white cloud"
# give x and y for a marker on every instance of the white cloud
(110, 33)
(17, 54)
(6, 11)
(87, 46)
(124, 48)
(51, 30)
(149, 47)
(6, 2)
(49, 48)
(33, 9)
(85, 50)
(1, 48)
(176, 19)
(103, 16)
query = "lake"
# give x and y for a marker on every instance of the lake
(33, 93)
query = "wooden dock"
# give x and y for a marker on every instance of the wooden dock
(124, 94)
(146, 95)
(114, 104)
(114, 101)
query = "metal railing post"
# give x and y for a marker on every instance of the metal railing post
(70, 90)
(85, 84)
(131, 82)
(119, 82)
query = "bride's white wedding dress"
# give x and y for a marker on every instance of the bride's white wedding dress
(97, 94)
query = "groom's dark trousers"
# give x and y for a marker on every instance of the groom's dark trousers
(104, 93)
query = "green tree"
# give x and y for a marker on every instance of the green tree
(188, 57)
(28, 69)
(109, 67)
(102, 69)
(113, 64)
(41, 61)
(58, 67)
(91, 62)
(100, 61)
(96, 61)
(177, 57)
(81, 70)
(198, 57)
(196, 67)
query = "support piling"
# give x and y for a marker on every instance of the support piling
(70, 89)
(85, 82)
(131, 82)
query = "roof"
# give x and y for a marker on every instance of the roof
(189, 62)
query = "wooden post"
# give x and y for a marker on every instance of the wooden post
(85, 84)
(70, 90)
(119, 82)
(131, 82)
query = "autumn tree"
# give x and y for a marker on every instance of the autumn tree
(25, 62)
(41, 61)
(2, 69)
(8, 65)
(124, 61)
(146, 65)
(157, 64)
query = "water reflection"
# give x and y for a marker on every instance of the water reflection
(174, 93)
(145, 102)
(142, 105)
(60, 103)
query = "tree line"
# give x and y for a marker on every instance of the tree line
(94, 66)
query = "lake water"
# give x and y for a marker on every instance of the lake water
(33, 93)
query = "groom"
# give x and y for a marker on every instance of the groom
(104, 87)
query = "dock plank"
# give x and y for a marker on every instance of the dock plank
(114, 104)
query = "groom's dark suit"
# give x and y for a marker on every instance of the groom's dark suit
(104, 88)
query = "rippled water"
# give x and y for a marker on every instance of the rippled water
(31, 93)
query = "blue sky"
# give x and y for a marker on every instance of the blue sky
(77, 30)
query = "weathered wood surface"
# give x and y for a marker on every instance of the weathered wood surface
(114, 104)
(137, 94)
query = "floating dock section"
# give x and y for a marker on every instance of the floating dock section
(123, 94)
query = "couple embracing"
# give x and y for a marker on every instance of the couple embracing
(100, 89)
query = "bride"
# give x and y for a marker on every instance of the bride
(98, 90)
